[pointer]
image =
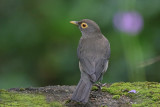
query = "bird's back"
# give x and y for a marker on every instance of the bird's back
(94, 48)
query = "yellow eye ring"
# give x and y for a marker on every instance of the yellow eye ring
(84, 25)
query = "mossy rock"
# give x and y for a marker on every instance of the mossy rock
(146, 94)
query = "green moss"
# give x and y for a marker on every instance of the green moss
(2, 90)
(9, 99)
(94, 88)
(156, 97)
(104, 106)
(67, 101)
(22, 89)
(104, 89)
(147, 93)
(116, 97)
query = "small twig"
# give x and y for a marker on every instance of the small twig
(149, 62)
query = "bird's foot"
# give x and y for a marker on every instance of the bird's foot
(100, 85)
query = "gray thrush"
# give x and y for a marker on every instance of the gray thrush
(93, 54)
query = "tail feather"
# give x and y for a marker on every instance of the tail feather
(82, 91)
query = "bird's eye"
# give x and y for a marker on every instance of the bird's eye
(84, 25)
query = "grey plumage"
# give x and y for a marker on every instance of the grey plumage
(93, 54)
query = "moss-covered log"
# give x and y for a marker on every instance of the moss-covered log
(124, 94)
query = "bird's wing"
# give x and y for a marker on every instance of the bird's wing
(95, 67)
(102, 64)
(100, 68)
(88, 67)
(107, 49)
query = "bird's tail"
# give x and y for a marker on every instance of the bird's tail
(82, 91)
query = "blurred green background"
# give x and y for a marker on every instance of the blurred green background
(38, 45)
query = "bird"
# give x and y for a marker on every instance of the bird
(93, 54)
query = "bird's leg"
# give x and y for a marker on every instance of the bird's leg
(100, 85)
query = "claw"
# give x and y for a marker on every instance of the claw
(100, 85)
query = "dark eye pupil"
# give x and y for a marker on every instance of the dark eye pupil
(84, 25)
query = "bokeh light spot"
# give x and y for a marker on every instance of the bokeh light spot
(128, 22)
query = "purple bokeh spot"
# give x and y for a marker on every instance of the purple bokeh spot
(129, 22)
(132, 91)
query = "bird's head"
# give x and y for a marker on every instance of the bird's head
(87, 27)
